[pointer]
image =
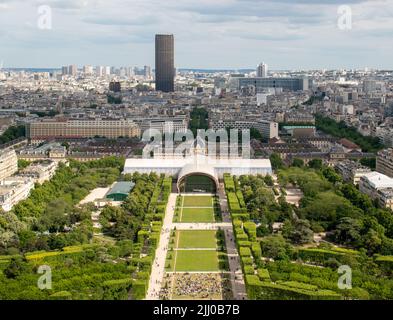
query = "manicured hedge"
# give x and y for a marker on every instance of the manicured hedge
(240, 198)
(256, 250)
(61, 295)
(248, 270)
(251, 230)
(116, 289)
(244, 252)
(139, 289)
(245, 244)
(241, 216)
(263, 274)
(263, 290)
(247, 261)
(386, 263)
(321, 256)
(241, 237)
(229, 183)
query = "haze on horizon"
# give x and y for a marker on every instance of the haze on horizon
(209, 34)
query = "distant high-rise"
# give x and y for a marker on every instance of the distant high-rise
(88, 70)
(72, 70)
(64, 70)
(262, 70)
(147, 72)
(165, 63)
(99, 71)
(115, 86)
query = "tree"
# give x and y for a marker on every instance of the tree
(27, 240)
(269, 180)
(298, 163)
(255, 134)
(22, 164)
(15, 268)
(372, 241)
(331, 175)
(275, 247)
(357, 198)
(348, 232)
(298, 231)
(276, 161)
(13, 133)
(341, 130)
(369, 162)
(54, 219)
(315, 164)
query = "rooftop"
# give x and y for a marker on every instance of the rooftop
(379, 180)
(123, 187)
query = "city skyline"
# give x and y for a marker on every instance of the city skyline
(225, 34)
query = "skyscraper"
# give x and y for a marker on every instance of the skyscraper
(262, 70)
(147, 72)
(64, 70)
(88, 70)
(72, 70)
(165, 64)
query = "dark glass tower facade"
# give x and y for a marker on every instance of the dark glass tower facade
(165, 63)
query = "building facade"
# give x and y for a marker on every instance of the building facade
(163, 124)
(13, 190)
(352, 171)
(81, 128)
(385, 162)
(8, 163)
(165, 63)
(40, 172)
(268, 129)
(262, 70)
(260, 84)
(379, 187)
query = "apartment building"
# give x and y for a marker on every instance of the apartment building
(352, 171)
(299, 117)
(81, 128)
(40, 171)
(378, 186)
(385, 162)
(268, 129)
(8, 163)
(13, 190)
(291, 84)
(163, 124)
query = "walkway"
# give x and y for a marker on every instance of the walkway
(158, 268)
(237, 278)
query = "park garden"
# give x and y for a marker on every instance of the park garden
(50, 229)
(286, 262)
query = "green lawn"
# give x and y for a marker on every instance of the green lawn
(198, 201)
(198, 260)
(197, 215)
(197, 239)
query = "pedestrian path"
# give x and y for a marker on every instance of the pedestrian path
(158, 268)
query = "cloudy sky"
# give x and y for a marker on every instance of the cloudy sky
(286, 34)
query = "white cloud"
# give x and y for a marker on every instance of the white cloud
(209, 33)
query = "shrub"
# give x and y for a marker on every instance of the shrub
(245, 252)
(248, 270)
(256, 250)
(263, 274)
